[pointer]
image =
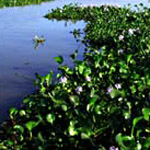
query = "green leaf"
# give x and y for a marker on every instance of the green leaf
(50, 118)
(13, 112)
(98, 109)
(100, 130)
(84, 136)
(19, 128)
(129, 58)
(40, 137)
(59, 59)
(133, 89)
(135, 121)
(26, 100)
(147, 143)
(114, 93)
(81, 68)
(43, 89)
(72, 131)
(138, 133)
(74, 99)
(87, 72)
(120, 139)
(3, 147)
(22, 112)
(94, 99)
(146, 113)
(21, 137)
(48, 78)
(64, 107)
(139, 146)
(31, 124)
(127, 113)
(10, 143)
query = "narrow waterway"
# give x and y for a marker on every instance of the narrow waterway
(19, 60)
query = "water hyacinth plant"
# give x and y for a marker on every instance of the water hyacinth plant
(11, 3)
(101, 103)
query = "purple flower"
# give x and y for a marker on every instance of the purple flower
(91, 5)
(131, 31)
(120, 51)
(88, 78)
(79, 89)
(121, 37)
(109, 90)
(63, 79)
(113, 148)
(118, 86)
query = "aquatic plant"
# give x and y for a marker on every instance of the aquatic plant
(103, 102)
(11, 3)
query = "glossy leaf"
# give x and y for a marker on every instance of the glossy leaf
(30, 125)
(59, 59)
(50, 118)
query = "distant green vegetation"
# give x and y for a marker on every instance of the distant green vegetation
(103, 102)
(11, 3)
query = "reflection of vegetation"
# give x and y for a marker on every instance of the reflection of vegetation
(11, 3)
(104, 100)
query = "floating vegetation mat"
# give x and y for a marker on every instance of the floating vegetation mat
(11, 3)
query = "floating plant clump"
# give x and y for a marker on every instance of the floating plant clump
(11, 3)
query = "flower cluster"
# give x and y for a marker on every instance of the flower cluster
(63, 80)
(121, 37)
(120, 51)
(109, 90)
(79, 89)
(88, 78)
(113, 148)
(118, 86)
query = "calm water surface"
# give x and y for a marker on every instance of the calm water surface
(19, 60)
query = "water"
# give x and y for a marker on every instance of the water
(19, 60)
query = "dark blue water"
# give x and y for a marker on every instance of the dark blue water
(19, 60)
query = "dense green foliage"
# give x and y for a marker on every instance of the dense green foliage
(104, 100)
(11, 3)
